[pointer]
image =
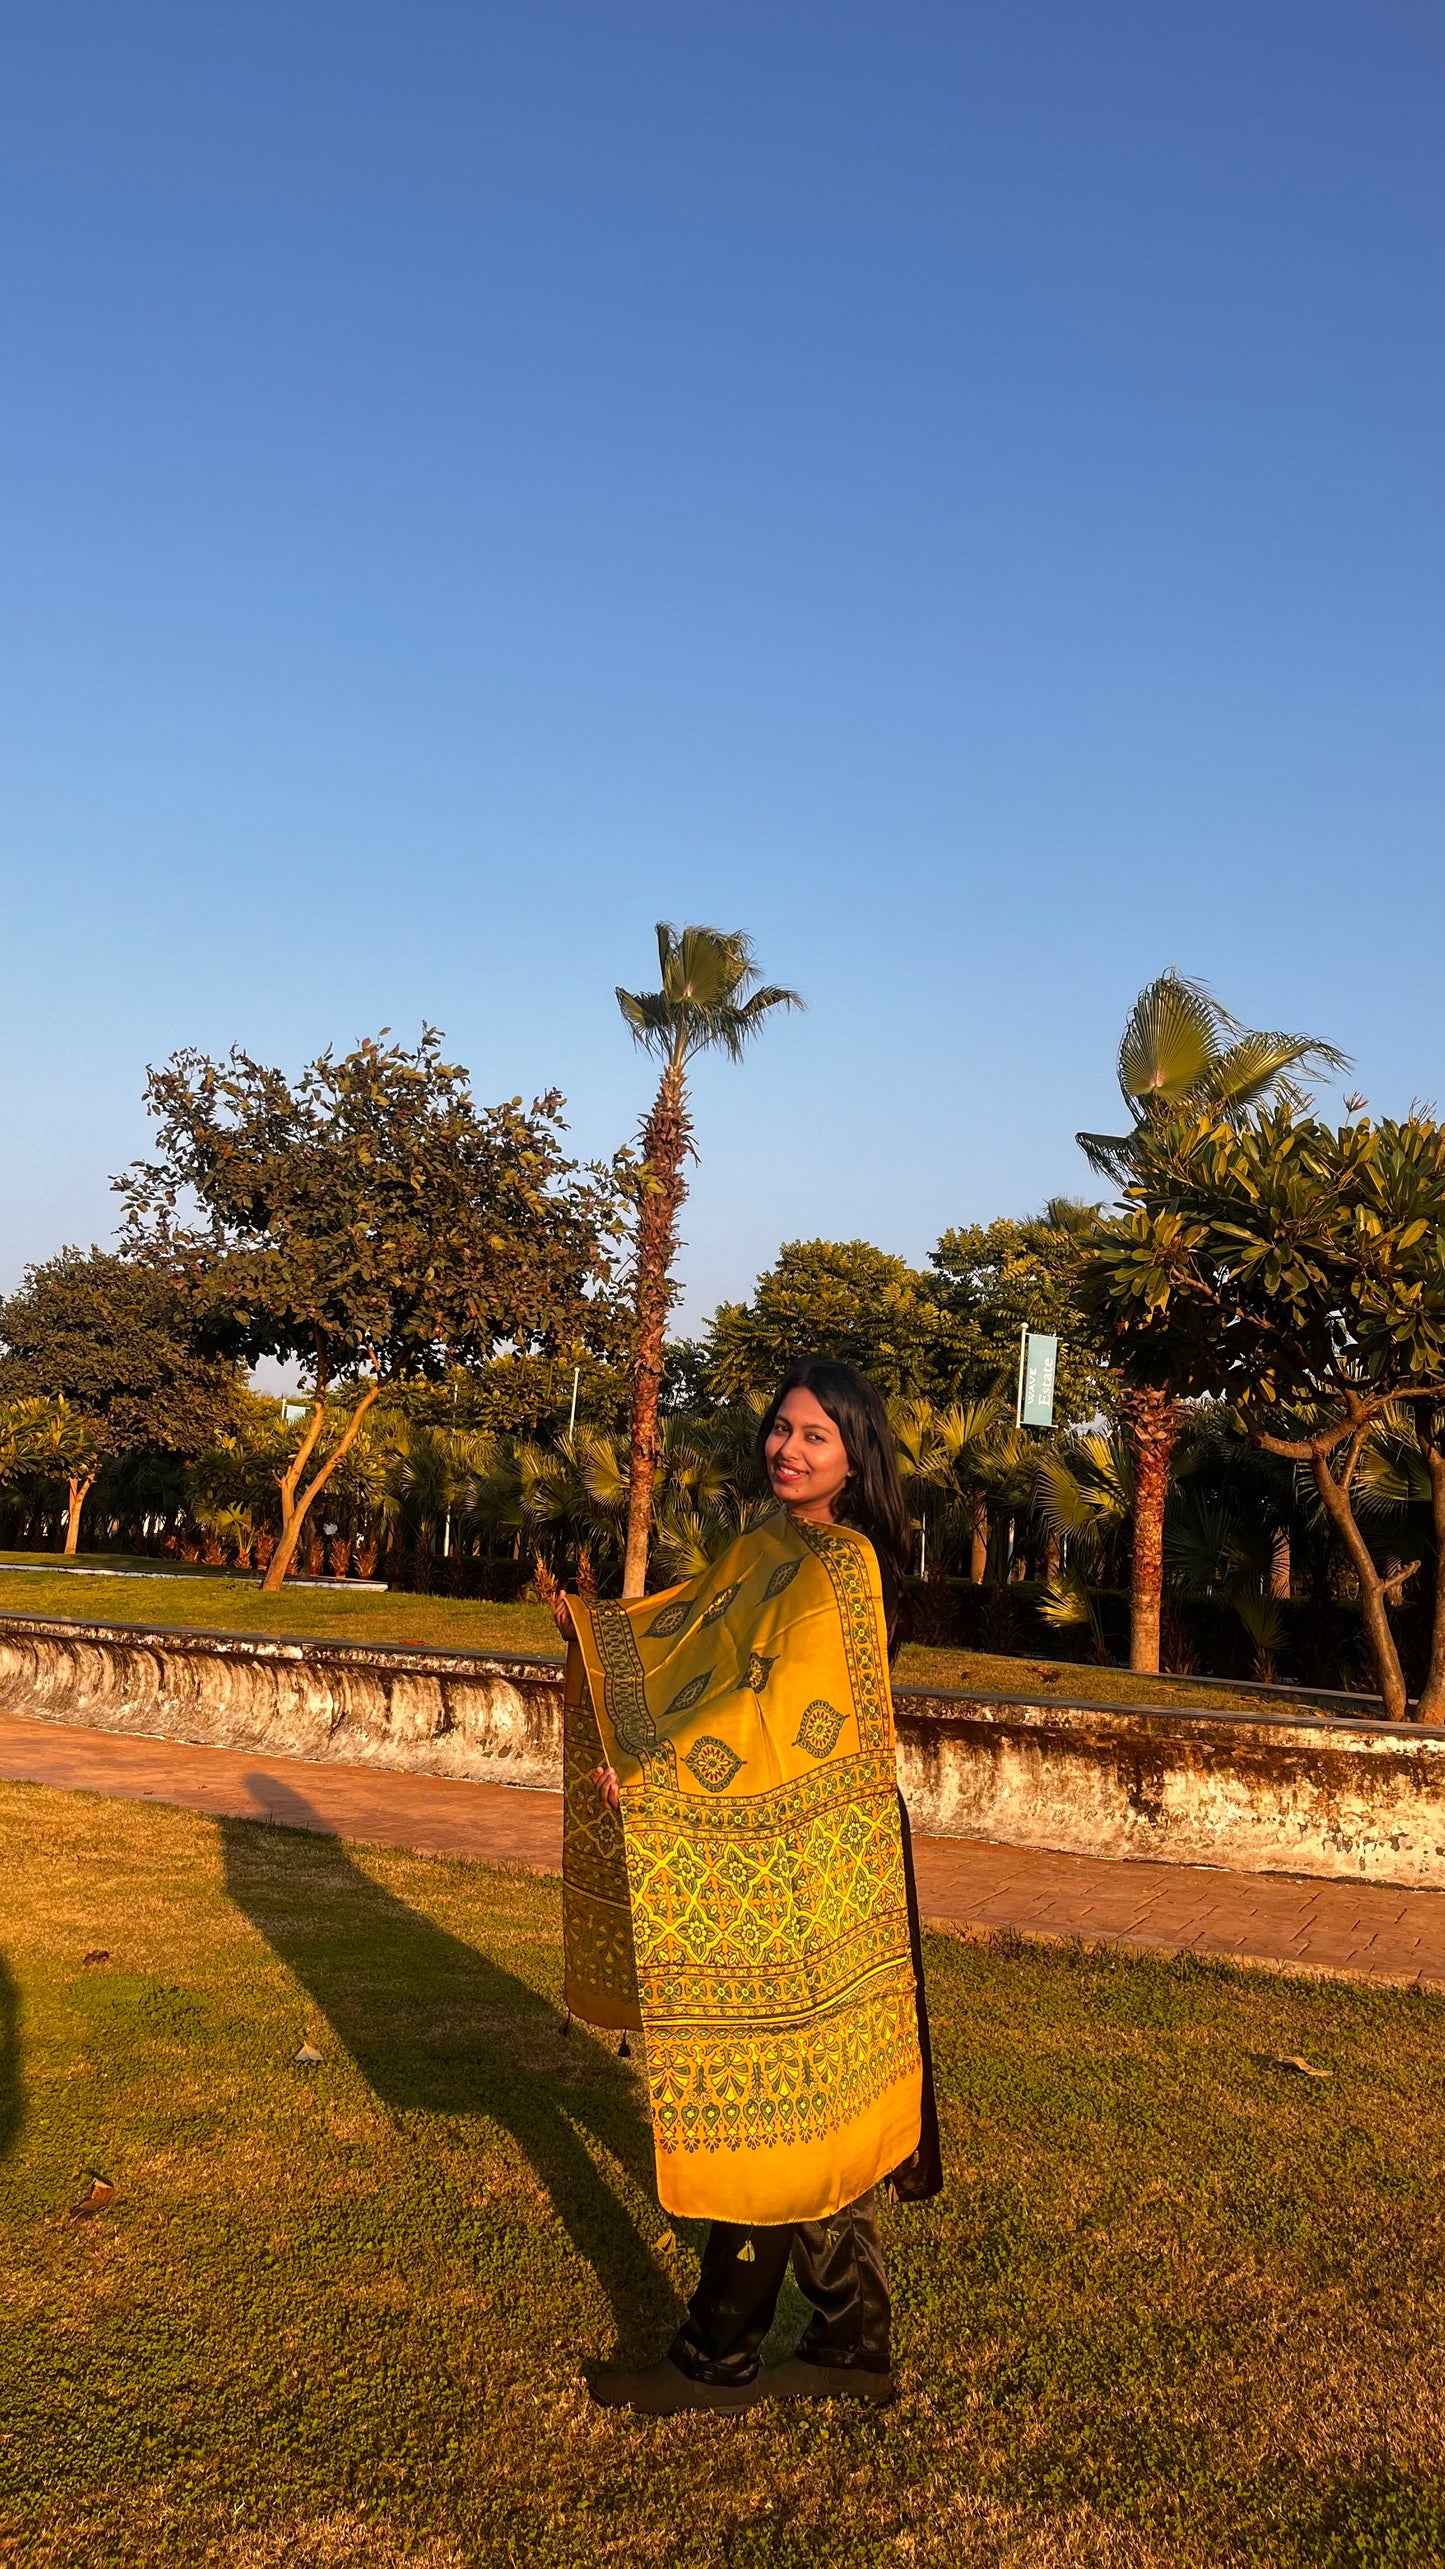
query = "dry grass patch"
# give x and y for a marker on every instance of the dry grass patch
(1177, 2306)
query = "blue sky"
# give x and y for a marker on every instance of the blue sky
(954, 490)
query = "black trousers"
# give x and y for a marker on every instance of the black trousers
(839, 2267)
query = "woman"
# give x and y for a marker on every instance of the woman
(737, 1883)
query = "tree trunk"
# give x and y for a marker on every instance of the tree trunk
(978, 1540)
(665, 1139)
(1151, 1424)
(79, 1492)
(296, 1502)
(1431, 1707)
(1374, 1590)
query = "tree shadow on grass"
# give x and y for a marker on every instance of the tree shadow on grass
(437, 2027)
(12, 2089)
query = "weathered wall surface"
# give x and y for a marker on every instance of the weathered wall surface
(1266, 1794)
(1258, 1794)
(427, 1712)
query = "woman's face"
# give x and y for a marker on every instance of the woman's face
(807, 1458)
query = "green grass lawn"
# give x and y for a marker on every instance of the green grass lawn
(1178, 2305)
(209, 1601)
(1065, 1681)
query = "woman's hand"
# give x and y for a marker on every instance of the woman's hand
(563, 1620)
(606, 1787)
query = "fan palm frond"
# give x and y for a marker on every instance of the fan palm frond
(1069, 1604)
(1066, 1600)
(1072, 1214)
(1064, 1502)
(1199, 1532)
(1258, 1066)
(1263, 1619)
(1391, 1473)
(707, 1001)
(1182, 1049)
(1171, 1041)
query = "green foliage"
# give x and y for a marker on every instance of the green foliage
(1084, 1492)
(1182, 1052)
(997, 1278)
(945, 1448)
(522, 1395)
(1280, 1265)
(114, 1338)
(370, 1219)
(940, 1336)
(1296, 1270)
(567, 1501)
(1070, 1603)
(48, 1442)
(707, 1002)
(843, 1299)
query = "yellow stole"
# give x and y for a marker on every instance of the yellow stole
(747, 1909)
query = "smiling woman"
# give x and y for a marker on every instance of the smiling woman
(739, 1888)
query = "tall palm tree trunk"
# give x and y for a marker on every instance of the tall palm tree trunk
(666, 1139)
(1151, 1424)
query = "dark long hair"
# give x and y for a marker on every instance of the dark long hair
(873, 1500)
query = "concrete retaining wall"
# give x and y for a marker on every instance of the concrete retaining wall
(426, 1712)
(1255, 1793)
(1266, 1793)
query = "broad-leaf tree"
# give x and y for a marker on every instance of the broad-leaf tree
(1297, 1271)
(49, 1441)
(113, 1341)
(1181, 1053)
(370, 1221)
(995, 1279)
(838, 1298)
(708, 1002)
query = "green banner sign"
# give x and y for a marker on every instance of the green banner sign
(1041, 1356)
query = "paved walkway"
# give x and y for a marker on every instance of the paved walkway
(1355, 1931)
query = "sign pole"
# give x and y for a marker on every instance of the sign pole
(1023, 1351)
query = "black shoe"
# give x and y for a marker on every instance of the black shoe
(799, 2380)
(662, 2390)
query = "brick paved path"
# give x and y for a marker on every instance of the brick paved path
(1357, 1931)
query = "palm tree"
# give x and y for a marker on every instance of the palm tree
(1182, 1052)
(952, 1451)
(707, 1003)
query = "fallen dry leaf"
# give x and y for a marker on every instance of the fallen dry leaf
(308, 2056)
(101, 1953)
(101, 2193)
(666, 2244)
(1293, 2060)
